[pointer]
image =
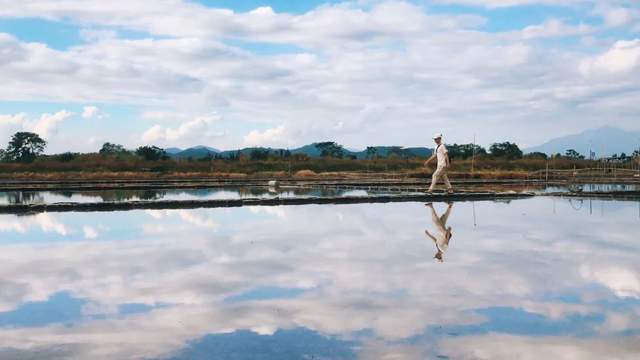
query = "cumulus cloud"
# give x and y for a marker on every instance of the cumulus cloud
(45, 125)
(273, 136)
(350, 72)
(197, 128)
(623, 57)
(89, 112)
(555, 28)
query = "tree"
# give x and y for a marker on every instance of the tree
(330, 149)
(536, 155)
(112, 149)
(2, 155)
(572, 154)
(465, 151)
(25, 147)
(506, 150)
(259, 154)
(152, 153)
(636, 154)
(371, 152)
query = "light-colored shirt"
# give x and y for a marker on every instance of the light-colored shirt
(441, 154)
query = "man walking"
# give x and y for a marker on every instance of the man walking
(442, 156)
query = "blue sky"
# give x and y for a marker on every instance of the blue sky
(230, 74)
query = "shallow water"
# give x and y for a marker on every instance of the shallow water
(520, 279)
(48, 197)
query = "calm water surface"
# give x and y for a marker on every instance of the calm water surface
(47, 197)
(533, 278)
(40, 197)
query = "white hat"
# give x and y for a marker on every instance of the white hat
(437, 136)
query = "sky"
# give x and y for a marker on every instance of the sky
(238, 73)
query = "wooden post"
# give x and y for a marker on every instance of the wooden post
(547, 173)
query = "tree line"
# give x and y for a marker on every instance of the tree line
(25, 147)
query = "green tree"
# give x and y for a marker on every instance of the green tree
(152, 153)
(25, 147)
(572, 154)
(330, 149)
(67, 157)
(259, 154)
(371, 152)
(536, 155)
(465, 151)
(636, 154)
(2, 155)
(112, 149)
(506, 150)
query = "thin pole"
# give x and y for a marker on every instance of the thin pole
(473, 204)
(547, 173)
(473, 154)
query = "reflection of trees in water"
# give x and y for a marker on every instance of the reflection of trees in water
(124, 195)
(22, 197)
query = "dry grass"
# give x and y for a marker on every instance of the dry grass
(93, 166)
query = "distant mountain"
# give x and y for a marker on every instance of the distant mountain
(604, 141)
(386, 151)
(196, 152)
(199, 152)
(381, 151)
(172, 151)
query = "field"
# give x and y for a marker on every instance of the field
(94, 166)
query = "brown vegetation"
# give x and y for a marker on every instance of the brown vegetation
(95, 166)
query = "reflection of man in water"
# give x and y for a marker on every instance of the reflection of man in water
(443, 233)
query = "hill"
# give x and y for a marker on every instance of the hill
(310, 150)
(604, 141)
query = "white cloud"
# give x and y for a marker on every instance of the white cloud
(510, 3)
(89, 232)
(89, 112)
(47, 123)
(273, 136)
(555, 28)
(198, 127)
(623, 57)
(355, 73)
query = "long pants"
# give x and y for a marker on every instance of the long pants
(440, 173)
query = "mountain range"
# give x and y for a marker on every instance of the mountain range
(604, 141)
(198, 152)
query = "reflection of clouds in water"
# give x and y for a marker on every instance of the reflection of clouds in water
(187, 216)
(363, 267)
(622, 281)
(496, 346)
(275, 211)
(46, 222)
(89, 232)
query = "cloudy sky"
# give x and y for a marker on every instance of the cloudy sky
(233, 73)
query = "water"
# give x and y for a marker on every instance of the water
(48, 197)
(521, 279)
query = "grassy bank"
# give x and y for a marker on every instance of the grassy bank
(94, 166)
